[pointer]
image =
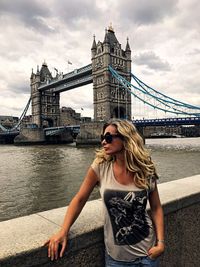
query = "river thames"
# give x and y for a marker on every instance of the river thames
(38, 178)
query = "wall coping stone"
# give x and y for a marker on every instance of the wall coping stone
(25, 235)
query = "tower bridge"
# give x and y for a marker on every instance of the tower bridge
(110, 73)
(111, 100)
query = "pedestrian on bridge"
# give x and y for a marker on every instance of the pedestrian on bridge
(127, 179)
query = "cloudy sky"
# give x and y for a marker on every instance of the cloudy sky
(164, 37)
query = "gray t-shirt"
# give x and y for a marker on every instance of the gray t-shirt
(128, 229)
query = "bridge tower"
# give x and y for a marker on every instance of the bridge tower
(111, 100)
(45, 105)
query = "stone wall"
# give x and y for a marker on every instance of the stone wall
(89, 133)
(28, 136)
(22, 238)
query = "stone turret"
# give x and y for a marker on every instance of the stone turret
(45, 74)
(111, 100)
(45, 105)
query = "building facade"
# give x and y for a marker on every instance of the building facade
(69, 116)
(110, 99)
(45, 105)
(8, 121)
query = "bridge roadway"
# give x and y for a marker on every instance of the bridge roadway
(151, 122)
(74, 79)
(50, 131)
(168, 121)
(148, 122)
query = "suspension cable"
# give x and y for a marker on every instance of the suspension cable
(166, 103)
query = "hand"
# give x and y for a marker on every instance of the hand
(53, 245)
(156, 251)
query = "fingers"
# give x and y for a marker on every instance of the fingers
(56, 250)
(53, 249)
(154, 252)
(150, 251)
(63, 248)
(53, 246)
(49, 251)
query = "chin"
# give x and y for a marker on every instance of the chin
(110, 153)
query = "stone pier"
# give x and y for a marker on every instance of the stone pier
(32, 136)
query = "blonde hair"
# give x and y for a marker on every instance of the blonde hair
(137, 157)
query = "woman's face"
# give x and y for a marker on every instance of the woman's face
(116, 145)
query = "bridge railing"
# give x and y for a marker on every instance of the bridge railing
(168, 121)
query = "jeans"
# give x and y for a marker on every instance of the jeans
(140, 262)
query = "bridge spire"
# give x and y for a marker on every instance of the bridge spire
(38, 71)
(94, 45)
(106, 39)
(128, 46)
(110, 28)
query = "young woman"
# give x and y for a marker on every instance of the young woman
(127, 178)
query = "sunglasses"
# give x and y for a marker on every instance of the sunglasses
(108, 137)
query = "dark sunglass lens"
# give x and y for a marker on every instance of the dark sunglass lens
(108, 138)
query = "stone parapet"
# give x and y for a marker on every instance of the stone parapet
(22, 238)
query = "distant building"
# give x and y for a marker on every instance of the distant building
(27, 119)
(86, 119)
(8, 121)
(69, 116)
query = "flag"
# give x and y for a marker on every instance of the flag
(68, 62)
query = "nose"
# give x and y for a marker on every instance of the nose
(103, 142)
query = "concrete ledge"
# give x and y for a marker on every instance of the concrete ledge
(22, 238)
(180, 193)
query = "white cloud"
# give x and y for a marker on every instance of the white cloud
(152, 61)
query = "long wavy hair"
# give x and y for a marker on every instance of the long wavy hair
(137, 157)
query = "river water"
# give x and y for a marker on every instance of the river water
(38, 178)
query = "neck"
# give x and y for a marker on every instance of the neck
(119, 159)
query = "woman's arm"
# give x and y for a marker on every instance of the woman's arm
(73, 211)
(158, 220)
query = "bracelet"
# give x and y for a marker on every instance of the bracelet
(161, 241)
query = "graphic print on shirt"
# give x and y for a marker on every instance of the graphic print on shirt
(127, 215)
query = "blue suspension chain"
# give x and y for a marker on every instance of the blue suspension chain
(175, 110)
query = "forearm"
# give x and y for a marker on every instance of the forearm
(158, 220)
(74, 209)
(78, 202)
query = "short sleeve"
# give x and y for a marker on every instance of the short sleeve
(152, 182)
(95, 167)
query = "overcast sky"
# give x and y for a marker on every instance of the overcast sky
(164, 37)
